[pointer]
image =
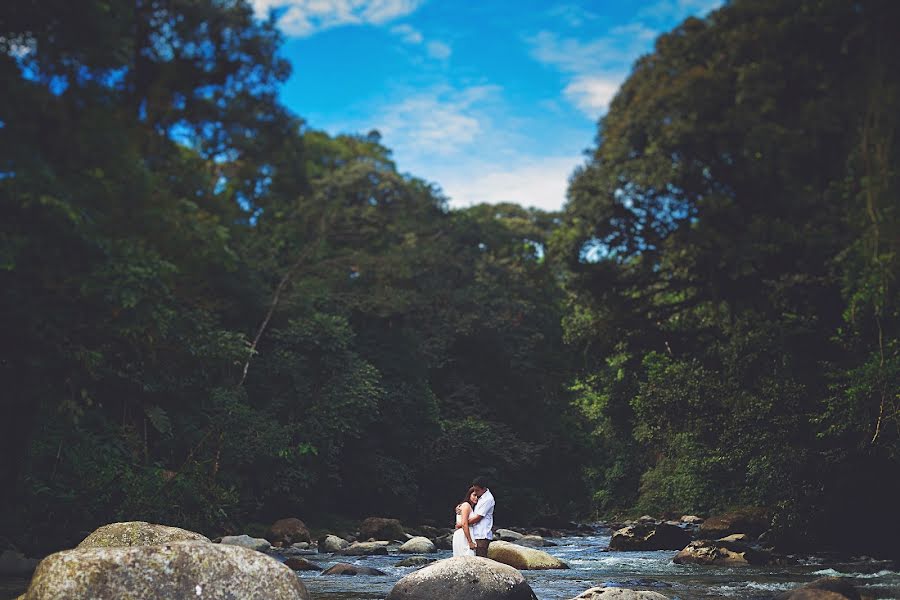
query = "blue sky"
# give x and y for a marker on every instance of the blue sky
(493, 101)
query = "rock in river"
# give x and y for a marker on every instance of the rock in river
(348, 569)
(463, 578)
(418, 545)
(650, 536)
(721, 552)
(245, 541)
(285, 532)
(332, 543)
(752, 521)
(379, 528)
(138, 533)
(826, 588)
(177, 570)
(365, 548)
(523, 558)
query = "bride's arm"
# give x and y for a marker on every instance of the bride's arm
(466, 511)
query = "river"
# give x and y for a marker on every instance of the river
(591, 565)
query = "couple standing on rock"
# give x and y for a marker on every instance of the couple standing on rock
(474, 521)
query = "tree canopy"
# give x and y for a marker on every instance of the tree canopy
(215, 314)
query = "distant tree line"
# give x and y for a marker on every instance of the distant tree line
(214, 314)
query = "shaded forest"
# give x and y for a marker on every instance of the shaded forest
(215, 314)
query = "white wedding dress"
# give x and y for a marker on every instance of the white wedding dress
(460, 545)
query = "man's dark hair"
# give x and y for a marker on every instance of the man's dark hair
(481, 482)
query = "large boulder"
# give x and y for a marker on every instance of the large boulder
(523, 558)
(365, 548)
(285, 532)
(826, 588)
(178, 570)
(418, 545)
(721, 552)
(138, 533)
(463, 578)
(752, 521)
(379, 528)
(348, 569)
(245, 541)
(650, 536)
(332, 543)
(614, 593)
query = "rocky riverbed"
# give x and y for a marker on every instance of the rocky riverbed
(555, 566)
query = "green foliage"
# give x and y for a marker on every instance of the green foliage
(731, 250)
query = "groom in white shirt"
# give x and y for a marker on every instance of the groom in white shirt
(481, 522)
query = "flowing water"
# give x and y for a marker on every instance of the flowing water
(591, 565)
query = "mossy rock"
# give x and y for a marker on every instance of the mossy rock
(177, 570)
(138, 533)
(522, 557)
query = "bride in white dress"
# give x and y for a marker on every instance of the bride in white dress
(463, 544)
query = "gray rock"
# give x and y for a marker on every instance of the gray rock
(612, 593)
(365, 549)
(245, 541)
(138, 533)
(348, 569)
(463, 578)
(444, 542)
(507, 535)
(178, 570)
(418, 545)
(532, 541)
(333, 544)
(691, 520)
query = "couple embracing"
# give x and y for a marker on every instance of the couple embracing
(474, 521)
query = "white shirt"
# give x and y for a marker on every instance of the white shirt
(485, 507)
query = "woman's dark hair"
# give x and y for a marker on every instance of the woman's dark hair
(468, 493)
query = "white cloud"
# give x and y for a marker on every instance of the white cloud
(303, 18)
(529, 181)
(572, 14)
(592, 95)
(442, 121)
(596, 67)
(439, 50)
(408, 34)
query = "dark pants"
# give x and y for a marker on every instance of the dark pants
(482, 547)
